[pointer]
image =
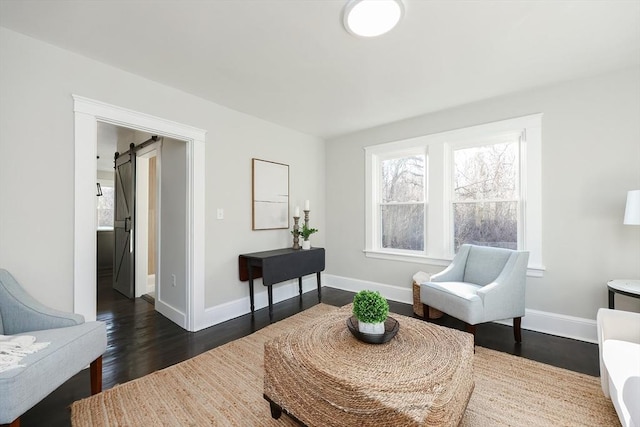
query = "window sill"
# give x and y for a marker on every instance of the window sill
(406, 257)
(532, 271)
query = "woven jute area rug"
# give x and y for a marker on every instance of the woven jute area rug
(224, 387)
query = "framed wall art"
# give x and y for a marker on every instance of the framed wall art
(270, 195)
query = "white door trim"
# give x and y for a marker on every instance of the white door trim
(142, 216)
(87, 114)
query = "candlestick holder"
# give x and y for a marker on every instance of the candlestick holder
(296, 244)
(305, 243)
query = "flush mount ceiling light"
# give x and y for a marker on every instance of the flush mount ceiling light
(370, 18)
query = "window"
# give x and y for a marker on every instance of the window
(105, 208)
(426, 196)
(402, 202)
(486, 195)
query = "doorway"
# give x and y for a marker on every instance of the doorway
(87, 114)
(127, 210)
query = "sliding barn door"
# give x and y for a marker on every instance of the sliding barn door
(125, 191)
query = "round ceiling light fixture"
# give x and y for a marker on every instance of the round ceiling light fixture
(370, 18)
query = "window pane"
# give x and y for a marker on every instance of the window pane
(403, 226)
(487, 172)
(105, 207)
(403, 179)
(486, 224)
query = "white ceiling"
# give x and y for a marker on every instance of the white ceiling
(291, 62)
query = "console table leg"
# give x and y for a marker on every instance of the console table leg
(270, 292)
(319, 287)
(300, 285)
(611, 299)
(251, 290)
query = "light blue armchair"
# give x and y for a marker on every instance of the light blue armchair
(482, 284)
(74, 344)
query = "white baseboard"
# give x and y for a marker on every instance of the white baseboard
(171, 313)
(236, 308)
(561, 325)
(391, 292)
(534, 320)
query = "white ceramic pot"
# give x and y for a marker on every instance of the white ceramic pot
(371, 328)
(306, 244)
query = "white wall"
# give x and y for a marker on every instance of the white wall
(173, 224)
(105, 176)
(591, 152)
(590, 158)
(128, 136)
(37, 133)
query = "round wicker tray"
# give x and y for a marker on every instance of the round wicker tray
(391, 327)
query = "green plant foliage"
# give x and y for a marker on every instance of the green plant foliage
(370, 307)
(305, 232)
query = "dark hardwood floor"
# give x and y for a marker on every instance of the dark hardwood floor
(141, 341)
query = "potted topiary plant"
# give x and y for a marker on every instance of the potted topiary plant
(371, 309)
(305, 232)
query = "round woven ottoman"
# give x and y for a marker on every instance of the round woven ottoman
(321, 375)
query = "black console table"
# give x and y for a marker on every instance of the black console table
(279, 265)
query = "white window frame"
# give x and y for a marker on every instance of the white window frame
(461, 143)
(389, 155)
(438, 149)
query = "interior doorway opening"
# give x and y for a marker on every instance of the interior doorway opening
(185, 306)
(128, 226)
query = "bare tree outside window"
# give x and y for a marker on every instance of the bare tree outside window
(105, 207)
(402, 205)
(486, 195)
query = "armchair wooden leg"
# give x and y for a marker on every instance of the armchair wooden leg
(471, 329)
(517, 334)
(95, 370)
(14, 423)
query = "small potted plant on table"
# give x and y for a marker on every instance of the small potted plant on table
(305, 232)
(371, 309)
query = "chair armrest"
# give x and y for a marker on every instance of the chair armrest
(454, 271)
(22, 313)
(615, 325)
(505, 296)
(618, 325)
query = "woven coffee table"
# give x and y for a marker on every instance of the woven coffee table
(321, 375)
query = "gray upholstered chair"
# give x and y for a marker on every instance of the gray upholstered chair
(74, 344)
(482, 284)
